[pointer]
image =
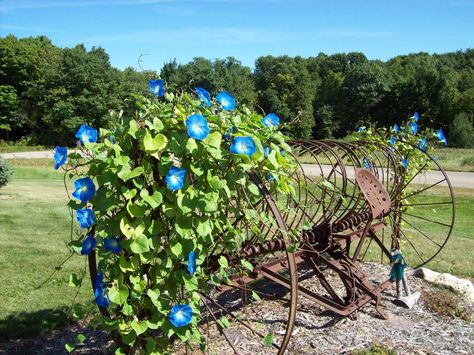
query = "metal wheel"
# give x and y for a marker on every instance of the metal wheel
(254, 311)
(422, 216)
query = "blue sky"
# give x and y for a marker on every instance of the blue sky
(245, 29)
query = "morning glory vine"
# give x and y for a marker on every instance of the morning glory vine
(157, 195)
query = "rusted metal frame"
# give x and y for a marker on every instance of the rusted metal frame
(357, 276)
(373, 236)
(291, 262)
(327, 148)
(314, 148)
(355, 202)
(343, 310)
(361, 241)
(343, 190)
(322, 279)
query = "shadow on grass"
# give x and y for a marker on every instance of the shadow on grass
(24, 324)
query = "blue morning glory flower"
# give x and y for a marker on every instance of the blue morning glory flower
(192, 262)
(440, 135)
(157, 87)
(271, 120)
(361, 129)
(366, 163)
(100, 291)
(422, 143)
(270, 177)
(175, 178)
(266, 151)
(60, 157)
(243, 145)
(392, 140)
(404, 163)
(100, 297)
(99, 280)
(85, 189)
(180, 315)
(112, 139)
(415, 116)
(88, 244)
(197, 127)
(203, 95)
(396, 128)
(413, 127)
(226, 100)
(85, 217)
(112, 244)
(87, 134)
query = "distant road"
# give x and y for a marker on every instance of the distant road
(457, 178)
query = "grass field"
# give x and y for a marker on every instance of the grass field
(34, 227)
(13, 148)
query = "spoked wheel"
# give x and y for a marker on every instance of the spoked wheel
(255, 312)
(422, 216)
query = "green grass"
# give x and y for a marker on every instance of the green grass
(14, 148)
(455, 159)
(33, 231)
(453, 257)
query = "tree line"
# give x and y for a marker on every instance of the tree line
(46, 92)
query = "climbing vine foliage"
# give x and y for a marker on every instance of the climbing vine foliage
(162, 201)
(409, 141)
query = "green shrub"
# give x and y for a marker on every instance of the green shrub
(5, 172)
(162, 195)
(461, 131)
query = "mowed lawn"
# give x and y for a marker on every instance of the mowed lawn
(35, 226)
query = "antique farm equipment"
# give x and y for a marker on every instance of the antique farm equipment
(355, 203)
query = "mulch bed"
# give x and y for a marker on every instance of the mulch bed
(407, 331)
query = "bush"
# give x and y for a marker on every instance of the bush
(5, 172)
(461, 131)
(162, 196)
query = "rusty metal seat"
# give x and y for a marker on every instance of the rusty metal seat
(356, 227)
(374, 193)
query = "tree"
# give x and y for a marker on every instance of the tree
(285, 88)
